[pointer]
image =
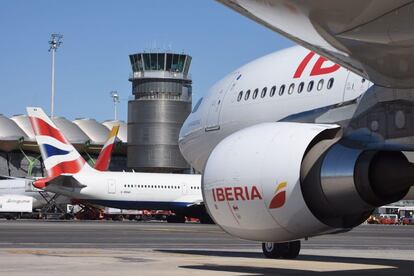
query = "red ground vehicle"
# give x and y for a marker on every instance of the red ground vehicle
(407, 215)
(407, 221)
(388, 219)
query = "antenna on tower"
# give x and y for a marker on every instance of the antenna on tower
(115, 98)
(54, 43)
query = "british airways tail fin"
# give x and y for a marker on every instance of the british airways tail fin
(104, 158)
(59, 156)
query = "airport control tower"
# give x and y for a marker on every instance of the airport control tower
(162, 94)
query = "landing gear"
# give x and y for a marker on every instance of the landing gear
(286, 250)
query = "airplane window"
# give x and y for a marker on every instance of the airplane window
(247, 95)
(320, 85)
(264, 90)
(272, 91)
(282, 90)
(300, 87)
(291, 88)
(240, 96)
(197, 105)
(256, 91)
(310, 86)
(330, 83)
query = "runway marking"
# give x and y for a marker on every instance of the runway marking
(179, 230)
(56, 253)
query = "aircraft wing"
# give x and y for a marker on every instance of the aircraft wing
(196, 203)
(373, 38)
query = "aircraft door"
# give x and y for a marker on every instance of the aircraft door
(184, 188)
(213, 117)
(111, 186)
(355, 85)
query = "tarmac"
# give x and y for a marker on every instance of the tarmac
(142, 248)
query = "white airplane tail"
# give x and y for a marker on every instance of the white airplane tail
(59, 156)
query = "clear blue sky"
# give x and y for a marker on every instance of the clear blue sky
(99, 36)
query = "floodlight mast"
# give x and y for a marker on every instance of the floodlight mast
(115, 99)
(54, 43)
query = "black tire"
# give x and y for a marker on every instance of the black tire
(271, 250)
(286, 250)
(293, 249)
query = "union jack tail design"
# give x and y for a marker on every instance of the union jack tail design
(104, 158)
(59, 156)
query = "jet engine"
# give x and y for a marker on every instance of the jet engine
(278, 182)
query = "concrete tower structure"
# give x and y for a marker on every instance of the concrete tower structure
(162, 92)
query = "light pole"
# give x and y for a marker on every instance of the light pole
(115, 99)
(54, 42)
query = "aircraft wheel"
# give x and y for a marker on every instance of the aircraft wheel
(271, 250)
(286, 250)
(291, 250)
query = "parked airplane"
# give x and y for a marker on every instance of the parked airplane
(17, 186)
(70, 175)
(293, 145)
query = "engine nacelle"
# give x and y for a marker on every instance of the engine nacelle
(278, 182)
(251, 182)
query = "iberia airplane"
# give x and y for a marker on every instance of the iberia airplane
(311, 139)
(70, 175)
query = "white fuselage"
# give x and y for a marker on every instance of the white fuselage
(128, 190)
(222, 112)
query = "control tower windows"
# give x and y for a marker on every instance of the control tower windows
(147, 62)
(153, 61)
(169, 62)
(187, 64)
(160, 61)
(136, 62)
(176, 63)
